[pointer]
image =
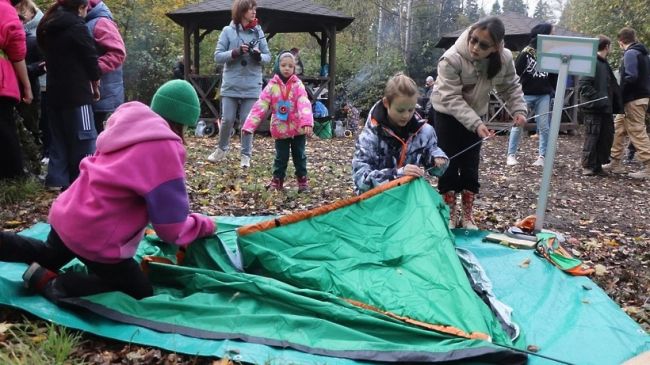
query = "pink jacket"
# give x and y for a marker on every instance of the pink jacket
(13, 48)
(299, 113)
(135, 177)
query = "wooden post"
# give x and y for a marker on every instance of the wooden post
(323, 50)
(186, 51)
(197, 48)
(331, 93)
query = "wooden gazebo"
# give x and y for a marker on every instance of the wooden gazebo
(276, 16)
(517, 37)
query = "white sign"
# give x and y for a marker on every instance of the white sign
(580, 53)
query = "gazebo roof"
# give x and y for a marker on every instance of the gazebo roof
(276, 16)
(517, 31)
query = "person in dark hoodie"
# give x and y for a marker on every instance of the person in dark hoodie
(598, 116)
(73, 84)
(112, 54)
(538, 87)
(635, 90)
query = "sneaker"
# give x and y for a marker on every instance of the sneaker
(45, 161)
(588, 172)
(36, 277)
(511, 160)
(539, 161)
(217, 155)
(245, 162)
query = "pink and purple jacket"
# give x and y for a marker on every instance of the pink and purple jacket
(107, 36)
(136, 176)
(13, 48)
(300, 114)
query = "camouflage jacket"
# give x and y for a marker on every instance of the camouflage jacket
(381, 154)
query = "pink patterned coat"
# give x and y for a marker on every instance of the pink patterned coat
(299, 108)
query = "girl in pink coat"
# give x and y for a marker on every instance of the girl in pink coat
(291, 120)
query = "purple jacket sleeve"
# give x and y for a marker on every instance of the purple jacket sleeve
(168, 207)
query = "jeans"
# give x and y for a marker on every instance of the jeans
(539, 104)
(229, 107)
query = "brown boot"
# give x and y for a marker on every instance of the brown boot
(643, 174)
(450, 199)
(614, 167)
(467, 201)
(276, 184)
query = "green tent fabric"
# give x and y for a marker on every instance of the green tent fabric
(290, 304)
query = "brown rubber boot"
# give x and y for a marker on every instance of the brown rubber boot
(467, 201)
(450, 199)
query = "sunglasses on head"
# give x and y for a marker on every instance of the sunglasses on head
(482, 45)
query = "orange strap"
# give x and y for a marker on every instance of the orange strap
(296, 217)
(429, 326)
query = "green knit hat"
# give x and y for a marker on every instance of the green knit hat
(176, 101)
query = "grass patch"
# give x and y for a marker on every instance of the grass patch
(35, 344)
(18, 190)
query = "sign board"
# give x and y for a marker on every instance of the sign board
(581, 53)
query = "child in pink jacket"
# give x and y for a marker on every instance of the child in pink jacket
(291, 120)
(135, 178)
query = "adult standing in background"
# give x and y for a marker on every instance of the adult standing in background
(538, 87)
(13, 88)
(242, 48)
(598, 119)
(112, 54)
(635, 90)
(73, 85)
(474, 65)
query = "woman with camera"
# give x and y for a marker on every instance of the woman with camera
(243, 50)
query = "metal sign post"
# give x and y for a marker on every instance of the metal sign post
(564, 55)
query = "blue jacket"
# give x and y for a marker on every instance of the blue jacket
(380, 154)
(111, 88)
(242, 75)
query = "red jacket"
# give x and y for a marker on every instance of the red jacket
(13, 48)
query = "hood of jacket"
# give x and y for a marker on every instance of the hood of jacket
(98, 10)
(639, 48)
(133, 123)
(276, 79)
(61, 20)
(30, 26)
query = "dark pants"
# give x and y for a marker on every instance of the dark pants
(100, 118)
(599, 136)
(125, 275)
(453, 137)
(44, 125)
(297, 147)
(73, 138)
(11, 156)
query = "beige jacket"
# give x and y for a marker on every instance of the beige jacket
(462, 88)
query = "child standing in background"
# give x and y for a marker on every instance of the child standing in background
(291, 120)
(395, 142)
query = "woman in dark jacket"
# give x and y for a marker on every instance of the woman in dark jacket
(72, 84)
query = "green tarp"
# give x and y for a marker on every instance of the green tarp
(392, 252)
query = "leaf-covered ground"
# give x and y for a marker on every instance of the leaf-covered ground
(605, 219)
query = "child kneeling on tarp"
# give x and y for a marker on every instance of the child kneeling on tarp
(135, 177)
(394, 142)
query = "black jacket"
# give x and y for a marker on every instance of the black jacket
(603, 83)
(71, 59)
(533, 82)
(35, 69)
(635, 73)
